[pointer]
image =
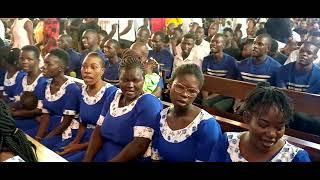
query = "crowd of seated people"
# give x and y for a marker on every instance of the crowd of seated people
(129, 65)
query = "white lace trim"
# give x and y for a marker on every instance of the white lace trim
(155, 154)
(115, 110)
(44, 110)
(68, 132)
(1, 88)
(177, 136)
(143, 131)
(90, 126)
(53, 97)
(30, 87)
(40, 104)
(286, 154)
(90, 100)
(100, 120)
(69, 112)
(11, 81)
(15, 159)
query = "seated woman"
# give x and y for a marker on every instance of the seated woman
(184, 131)
(13, 75)
(60, 102)
(14, 146)
(151, 78)
(128, 118)
(94, 93)
(33, 82)
(267, 110)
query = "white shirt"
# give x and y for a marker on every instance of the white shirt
(2, 31)
(294, 56)
(193, 58)
(186, 22)
(123, 23)
(203, 48)
(106, 24)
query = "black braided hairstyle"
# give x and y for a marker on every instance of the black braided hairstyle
(264, 97)
(12, 138)
(130, 60)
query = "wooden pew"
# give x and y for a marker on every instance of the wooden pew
(44, 154)
(303, 102)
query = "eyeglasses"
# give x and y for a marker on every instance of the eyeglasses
(180, 88)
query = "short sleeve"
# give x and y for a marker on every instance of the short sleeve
(106, 104)
(148, 109)
(209, 134)
(301, 156)
(279, 82)
(41, 88)
(160, 83)
(219, 151)
(71, 105)
(204, 64)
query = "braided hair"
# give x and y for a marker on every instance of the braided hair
(264, 97)
(130, 60)
(12, 138)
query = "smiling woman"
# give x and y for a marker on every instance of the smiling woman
(267, 110)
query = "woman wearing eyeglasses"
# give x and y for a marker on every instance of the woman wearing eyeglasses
(185, 132)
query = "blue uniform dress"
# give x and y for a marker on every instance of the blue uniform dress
(63, 102)
(90, 110)
(119, 125)
(2, 73)
(288, 77)
(37, 87)
(257, 73)
(11, 84)
(190, 144)
(227, 150)
(226, 67)
(163, 57)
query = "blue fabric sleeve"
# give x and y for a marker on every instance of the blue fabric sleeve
(209, 133)
(301, 156)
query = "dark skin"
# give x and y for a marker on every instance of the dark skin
(54, 68)
(90, 41)
(307, 54)
(260, 47)
(217, 44)
(91, 71)
(30, 64)
(186, 45)
(183, 112)
(264, 137)
(131, 84)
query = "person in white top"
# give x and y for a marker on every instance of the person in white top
(203, 45)
(22, 33)
(314, 37)
(2, 30)
(189, 53)
(126, 29)
(110, 25)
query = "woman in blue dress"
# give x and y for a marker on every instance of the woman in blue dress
(128, 118)
(60, 102)
(185, 133)
(267, 110)
(12, 76)
(33, 82)
(94, 93)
